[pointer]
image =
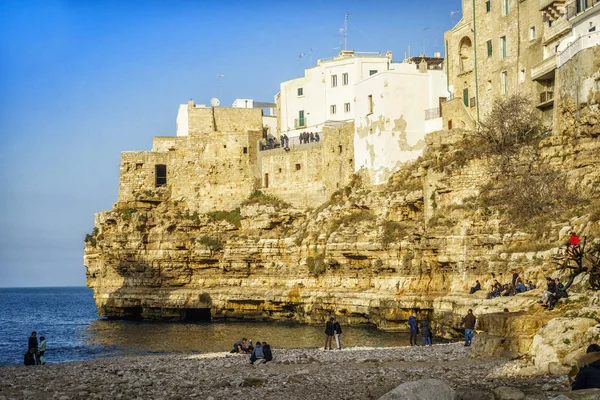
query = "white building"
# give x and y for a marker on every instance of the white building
(388, 102)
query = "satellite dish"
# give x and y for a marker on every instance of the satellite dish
(214, 102)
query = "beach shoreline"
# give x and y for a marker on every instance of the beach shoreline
(301, 373)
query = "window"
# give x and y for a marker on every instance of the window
(488, 6)
(298, 167)
(489, 48)
(333, 80)
(505, 9)
(503, 46)
(160, 171)
(345, 78)
(346, 107)
(300, 121)
(266, 181)
(504, 82)
(245, 150)
(532, 33)
(300, 91)
(332, 109)
(449, 124)
(466, 97)
(372, 72)
(370, 104)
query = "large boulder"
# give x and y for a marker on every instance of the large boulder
(560, 338)
(425, 389)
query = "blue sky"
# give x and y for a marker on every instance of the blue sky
(81, 81)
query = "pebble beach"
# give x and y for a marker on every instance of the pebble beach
(307, 373)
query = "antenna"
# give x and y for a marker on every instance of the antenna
(346, 29)
(424, 31)
(300, 57)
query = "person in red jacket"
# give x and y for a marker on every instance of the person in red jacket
(574, 240)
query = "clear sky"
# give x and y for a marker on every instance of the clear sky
(83, 80)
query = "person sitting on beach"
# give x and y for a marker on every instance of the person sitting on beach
(42, 350)
(588, 376)
(258, 355)
(267, 351)
(29, 358)
(476, 287)
(240, 346)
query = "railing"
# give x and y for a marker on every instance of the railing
(577, 7)
(542, 68)
(432, 113)
(300, 122)
(581, 43)
(546, 96)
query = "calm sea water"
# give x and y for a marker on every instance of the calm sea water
(67, 318)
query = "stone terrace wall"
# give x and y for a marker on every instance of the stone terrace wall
(307, 175)
(231, 120)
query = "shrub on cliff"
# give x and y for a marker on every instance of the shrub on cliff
(391, 232)
(233, 217)
(316, 265)
(214, 244)
(261, 198)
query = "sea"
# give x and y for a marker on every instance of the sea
(67, 318)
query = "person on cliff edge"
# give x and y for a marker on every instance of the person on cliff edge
(329, 331)
(414, 329)
(469, 322)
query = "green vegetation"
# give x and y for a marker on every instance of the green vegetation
(391, 232)
(214, 244)
(353, 218)
(233, 217)
(90, 238)
(126, 213)
(261, 198)
(316, 265)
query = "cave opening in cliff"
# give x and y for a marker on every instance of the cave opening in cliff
(197, 314)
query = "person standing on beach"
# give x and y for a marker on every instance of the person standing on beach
(33, 345)
(425, 331)
(337, 331)
(414, 329)
(41, 358)
(469, 322)
(329, 331)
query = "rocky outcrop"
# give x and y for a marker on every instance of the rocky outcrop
(370, 255)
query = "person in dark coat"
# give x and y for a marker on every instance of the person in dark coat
(258, 354)
(469, 322)
(559, 293)
(29, 358)
(329, 332)
(241, 346)
(589, 369)
(548, 292)
(475, 287)
(425, 331)
(267, 351)
(33, 345)
(337, 331)
(414, 329)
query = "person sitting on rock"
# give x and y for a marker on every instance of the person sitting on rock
(574, 240)
(520, 288)
(530, 285)
(589, 369)
(559, 293)
(267, 351)
(495, 290)
(547, 293)
(258, 355)
(476, 287)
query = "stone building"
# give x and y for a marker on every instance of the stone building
(515, 47)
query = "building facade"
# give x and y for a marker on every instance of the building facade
(388, 101)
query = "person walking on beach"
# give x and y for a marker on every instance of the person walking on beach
(337, 331)
(329, 331)
(33, 345)
(414, 329)
(425, 331)
(469, 322)
(42, 350)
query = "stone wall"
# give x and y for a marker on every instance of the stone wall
(223, 119)
(307, 175)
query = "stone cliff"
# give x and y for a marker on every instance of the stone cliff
(369, 255)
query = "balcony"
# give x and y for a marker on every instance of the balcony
(577, 7)
(581, 43)
(544, 69)
(559, 28)
(546, 100)
(300, 123)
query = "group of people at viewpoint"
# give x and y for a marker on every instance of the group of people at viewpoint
(35, 354)
(309, 137)
(259, 353)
